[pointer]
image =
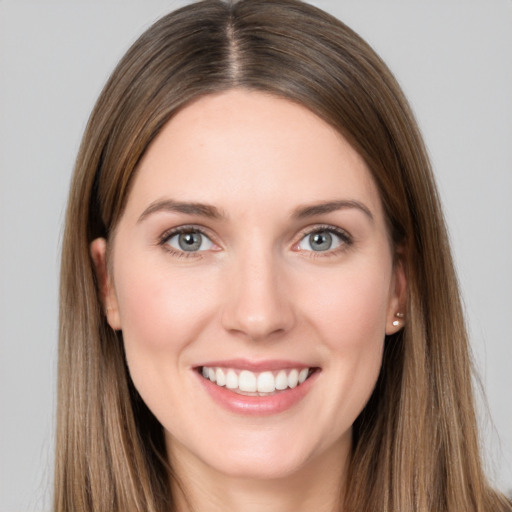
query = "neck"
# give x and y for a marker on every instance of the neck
(318, 486)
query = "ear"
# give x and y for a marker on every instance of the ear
(108, 297)
(397, 299)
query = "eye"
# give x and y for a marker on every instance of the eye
(189, 241)
(322, 240)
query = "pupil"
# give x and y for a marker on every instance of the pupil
(190, 241)
(321, 241)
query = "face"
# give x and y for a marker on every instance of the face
(253, 280)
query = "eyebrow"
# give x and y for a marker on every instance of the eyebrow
(171, 205)
(212, 212)
(303, 212)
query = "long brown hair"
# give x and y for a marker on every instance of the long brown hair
(415, 443)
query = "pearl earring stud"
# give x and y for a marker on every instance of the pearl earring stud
(400, 315)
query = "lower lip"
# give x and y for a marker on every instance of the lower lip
(258, 405)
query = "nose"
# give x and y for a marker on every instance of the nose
(257, 305)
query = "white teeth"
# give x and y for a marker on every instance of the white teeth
(281, 380)
(220, 377)
(293, 379)
(250, 382)
(231, 380)
(303, 375)
(266, 382)
(247, 381)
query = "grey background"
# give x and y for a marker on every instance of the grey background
(454, 61)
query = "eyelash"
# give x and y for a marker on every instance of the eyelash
(167, 235)
(345, 237)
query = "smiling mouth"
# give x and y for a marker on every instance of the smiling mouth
(248, 383)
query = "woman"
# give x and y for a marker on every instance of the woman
(258, 305)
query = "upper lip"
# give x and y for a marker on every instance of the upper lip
(255, 366)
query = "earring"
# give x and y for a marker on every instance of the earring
(400, 315)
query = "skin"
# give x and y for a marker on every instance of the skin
(256, 290)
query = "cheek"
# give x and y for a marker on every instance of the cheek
(163, 312)
(351, 320)
(351, 309)
(162, 309)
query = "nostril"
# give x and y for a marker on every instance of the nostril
(256, 304)
(258, 322)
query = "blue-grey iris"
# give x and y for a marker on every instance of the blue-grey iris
(190, 241)
(320, 241)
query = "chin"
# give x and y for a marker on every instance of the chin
(261, 466)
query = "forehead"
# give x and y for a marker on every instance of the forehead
(249, 150)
